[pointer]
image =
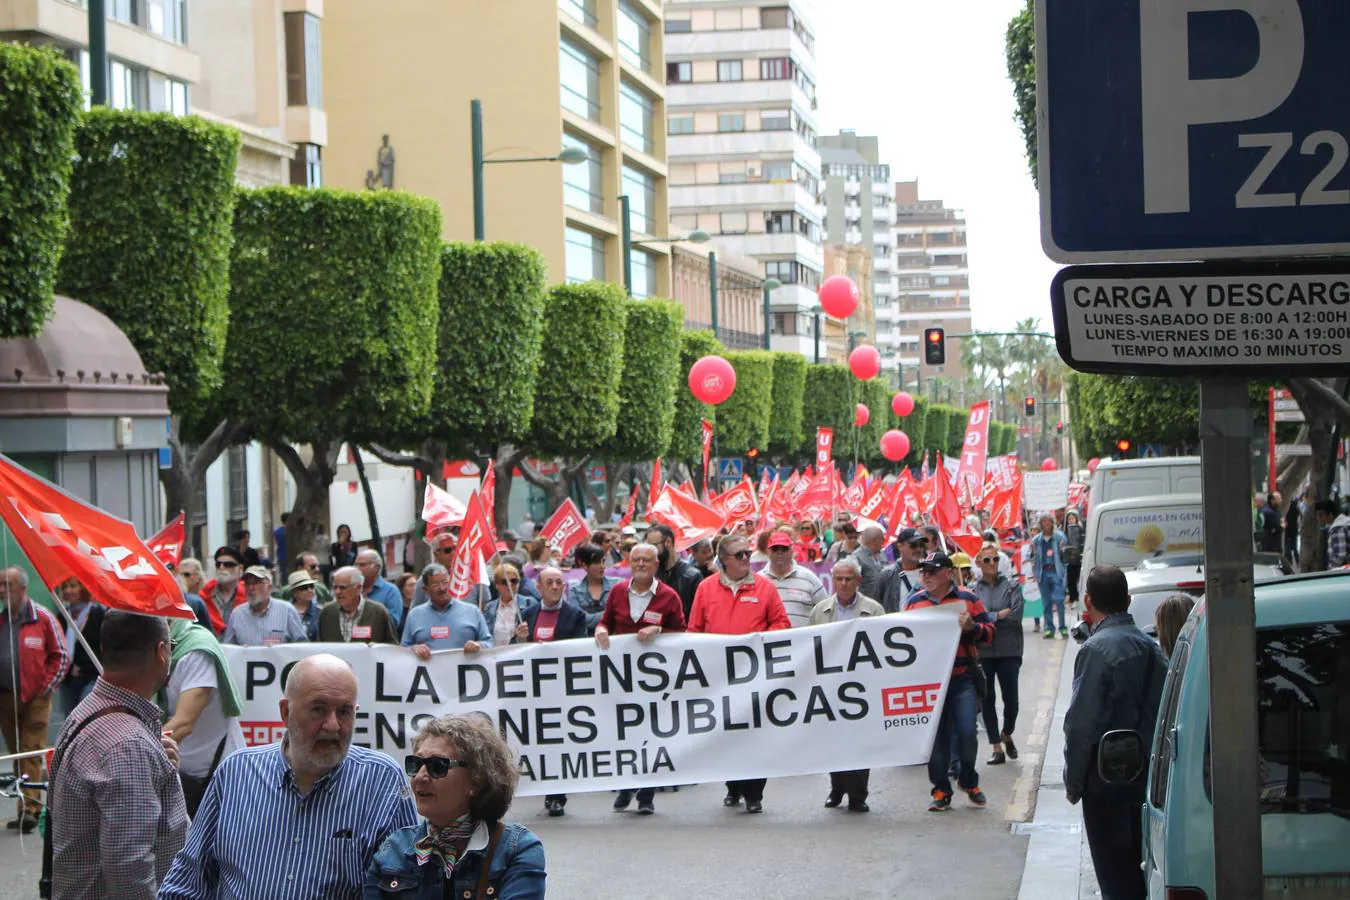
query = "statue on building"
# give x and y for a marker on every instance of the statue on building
(382, 176)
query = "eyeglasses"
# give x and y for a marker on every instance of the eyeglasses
(449, 549)
(988, 559)
(914, 544)
(511, 581)
(437, 766)
(742, 554)
(226, 564)
(312, 567)
(780, 549)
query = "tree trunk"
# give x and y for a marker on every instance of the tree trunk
(188, 467)
(1322, 414)
(309, 515)
(505, 459)
(614, 473)
(557, 490)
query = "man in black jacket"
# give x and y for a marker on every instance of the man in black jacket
(678, 574)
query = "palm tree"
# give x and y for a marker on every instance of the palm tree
(987, 356)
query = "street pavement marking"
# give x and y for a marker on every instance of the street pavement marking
(1023, 802)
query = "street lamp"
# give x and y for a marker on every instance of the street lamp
(697, 236)
(769, 285)
(568, 156)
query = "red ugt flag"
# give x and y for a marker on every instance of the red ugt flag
(67, 538)
(168, 543)
(690, 520)
(565, 528)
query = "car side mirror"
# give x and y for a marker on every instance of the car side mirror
(1120, 756)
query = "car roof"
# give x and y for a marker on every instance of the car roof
(1166, 500)
(1148, 463)
(1303, 599)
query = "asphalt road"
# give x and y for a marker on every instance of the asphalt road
(693, 847)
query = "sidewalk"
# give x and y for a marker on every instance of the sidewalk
(1058, 862)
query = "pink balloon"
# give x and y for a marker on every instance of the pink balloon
(865, 362)
(1093, 464)
(895, 445)
(902, 404)
(1048, 465)
(838, 296)
(861, 415)
(712, 379)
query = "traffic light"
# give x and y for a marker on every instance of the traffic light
(1059, 427)
(752, 452)
(1124, 445)
(934, 346)
(1029, 407)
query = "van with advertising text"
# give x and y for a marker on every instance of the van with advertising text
(1125, 532)
(1119, 479)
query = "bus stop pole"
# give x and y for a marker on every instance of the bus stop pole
(1225, 465)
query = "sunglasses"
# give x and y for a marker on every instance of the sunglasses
(437, 766)
(918, 543)
(780, 549)
(511, 581)
(988, 559)
(226, 564)
(447, 549)
(743, 554)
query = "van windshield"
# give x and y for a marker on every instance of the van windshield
(1303, 684)
(1125, 537)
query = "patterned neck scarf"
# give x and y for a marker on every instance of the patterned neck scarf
(445, 842)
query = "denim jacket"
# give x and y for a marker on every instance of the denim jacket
(1041, 547)
(516, 871)
(580, 594)
(1117, 683)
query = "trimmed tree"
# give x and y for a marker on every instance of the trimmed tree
(956, 432)
(877, 395)
(151, 205)
(686, 441)
(39, 107)
(826, 402)
(303, 260)
(785, 418)
(935, 428)
(743, 420)
(914, 425)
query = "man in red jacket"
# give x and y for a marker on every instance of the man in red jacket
(33, 660)
(737, 601)
(646, 607)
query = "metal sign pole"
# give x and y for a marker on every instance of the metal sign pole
(1225, 445)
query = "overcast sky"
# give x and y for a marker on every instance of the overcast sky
(929, 79)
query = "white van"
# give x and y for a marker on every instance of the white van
(1117, 479)
(1123, 532)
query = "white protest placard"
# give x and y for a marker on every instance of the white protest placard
(682, 709)
(1044, 491)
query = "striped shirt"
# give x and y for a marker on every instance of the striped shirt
(278, 624)
(256, 835)
(981, 632)
(800, 589)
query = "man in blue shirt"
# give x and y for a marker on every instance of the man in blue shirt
(301, 818)
(442, 623)
(377, 589)
(263, 621)
(1050, 572)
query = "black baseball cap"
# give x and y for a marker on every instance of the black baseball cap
(231, 552)
(907, 536)
(937, 560)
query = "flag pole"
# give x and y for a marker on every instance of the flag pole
(79, 636)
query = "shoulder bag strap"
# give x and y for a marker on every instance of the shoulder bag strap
(488, 854)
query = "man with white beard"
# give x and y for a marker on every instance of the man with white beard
(263, 621)
(300, 818)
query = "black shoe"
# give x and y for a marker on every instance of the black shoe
(833, 801)
(731, 800)
(1009, 746)
(646, 808)
(754, 806)
(860, 806)
(555, 809)
(25, 824)
(621, 802)
(996, 759)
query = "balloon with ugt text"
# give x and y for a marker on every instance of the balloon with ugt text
(895, 445)
(861, 415)
(902, 404)
(865, 362)
(712, 380)
(1048, 465)
(838, 296)
(1093, 464)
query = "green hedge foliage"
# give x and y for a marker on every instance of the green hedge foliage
(152, 199)
(956, 432)
(937, 425)
(877, 395)
(333, 312)
(651, 373)
(39, 106)
(576, 402)
(743, 420)
(686, 442)
(785, 419)
(491, 322)
(827, 402)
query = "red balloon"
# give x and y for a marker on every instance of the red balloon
(861, 415)
(838, 296)
(1093, 464)
(1048, 465)
(712, 379)
(895, 445)
(902, 404)
(865, 362)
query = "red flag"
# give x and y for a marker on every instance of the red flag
(1005, 509)
(690, 520)
(818, 497)
(974, 452)
(1077, 494)
(632, 508)
(67, 538)
(687, 488)
(854, 495)
(566, 528)
(969, 542)
(469, 567)
(737, 504)
(824, 446)
(440, 509)
(874, 502)
(654, 489)
(923, 471)
(168, 543)
(487, 495)
(707, 449)
(769, 498)
(945, 509)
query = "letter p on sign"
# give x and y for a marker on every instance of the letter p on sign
(1172, 101)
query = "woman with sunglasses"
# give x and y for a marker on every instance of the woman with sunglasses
(508, 610)
(463, 778)
(1001, 660)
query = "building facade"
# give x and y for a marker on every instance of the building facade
(740, 83)
(585, 74)
(740, 299)
(842, 335)
(932, 287)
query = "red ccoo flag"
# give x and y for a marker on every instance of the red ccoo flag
(440, 510)
(67, 538)
(487, 495)
(690, 520)
(565, 528)
(469, 566)
(167, 545)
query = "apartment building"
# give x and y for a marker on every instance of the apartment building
(740, 298)
(932, 286)
(584, 74)
(842, 335)
(740, 82)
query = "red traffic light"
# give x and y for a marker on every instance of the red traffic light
(1123, 445)
(752, 452)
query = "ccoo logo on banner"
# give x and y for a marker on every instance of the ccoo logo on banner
(684, 709)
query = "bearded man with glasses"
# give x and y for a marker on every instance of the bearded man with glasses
(738, 601)
(226, 591)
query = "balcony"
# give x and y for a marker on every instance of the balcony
(796, 343)
(743, 43)
(732, 94)
(778, 246)
(750, 144)
(756, 195)
(734, 339)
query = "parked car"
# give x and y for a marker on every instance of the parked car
(1303, 729)
(1159, 577)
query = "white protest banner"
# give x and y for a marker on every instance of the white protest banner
(682, 709)
(1044, 491)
